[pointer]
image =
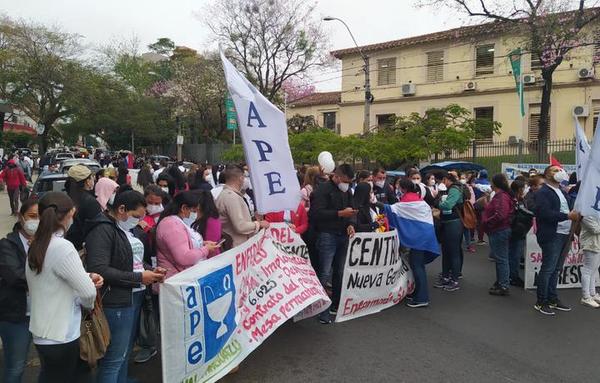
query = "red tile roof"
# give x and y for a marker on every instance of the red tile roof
(456, 33)
(322, 98)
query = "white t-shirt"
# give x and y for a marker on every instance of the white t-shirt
(73, 331)
(137, 247)
(564, 227)
(157, 173)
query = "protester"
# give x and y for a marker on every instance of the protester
(310, 182)
(468, 233)
(178, 177)
(216, 191)
(14, 302)
(105, 191)
(520, 226)
(333, 211)
(161, 168)
(153, 195)
(14, 179)
(497, 218)
(431, 184)
(144, 177)
(423, 191)
(167, 184)
(553, 220)
(383, 191)
(297, 220)
(58, 286)
(234, 212)
(589, 240)
(200, 180)
(178, 246)
(116, 254)
(535, 183)
(367, 217)
(451, 232)
(123, 177)
(207, 222)
(80, 186)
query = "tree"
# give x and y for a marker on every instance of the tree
(298, 123)
(39, 71)
(295, 89)
(163, 46)
(271, 41)
(552, 29)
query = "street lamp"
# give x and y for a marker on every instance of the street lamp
(368, 95)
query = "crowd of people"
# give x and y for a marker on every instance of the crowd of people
(112, 240)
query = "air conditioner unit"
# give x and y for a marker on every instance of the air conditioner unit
(409, 89)
(585, 73)
(581, 111)
(470, 85)
(528, 79)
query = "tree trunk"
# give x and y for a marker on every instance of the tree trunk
(544, 124)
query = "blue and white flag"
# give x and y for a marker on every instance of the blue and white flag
(414, 223)
(582, 149)
(588, 197)
(264, 136)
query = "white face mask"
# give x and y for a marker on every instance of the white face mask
(431, 182)
(207, 178)
(191, 219)
(463, 181)
(442, 187)
(111, 200)
(30, 226)
(165, 189)
(129, 224)
(247, 185)
(561, 176)
(69, 224)
(379, 184)
(416, 182)
(155, 209)
(343, 186)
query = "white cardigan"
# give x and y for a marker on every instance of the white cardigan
(53, 291)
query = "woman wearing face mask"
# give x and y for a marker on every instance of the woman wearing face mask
(167, 184)
(59, 286)
(80, 186)
(520, 226)
(115, 253)
(200, 180)
(178, 246)
(154, 206)
(367, 217)
(423, 191)
(468, 234)
(14, 300)
(105, 191)
(208, 223)
(431, 184)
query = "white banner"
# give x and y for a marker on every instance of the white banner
(375, 276)
(264, 135)
(588, 197)
(214, 314)
(582, 148)
(570, 276)
(512, 171)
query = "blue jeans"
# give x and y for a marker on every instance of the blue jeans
(552, 264)
(332, 258)
(451, 233)
(16, 339)
(417, 265)
(113, 367)
(499, 245)
(516, 247)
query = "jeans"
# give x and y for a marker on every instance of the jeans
(113, 367)
(451, 237)
(417, 265)
(58, 362)
(552, 263)
(591, 262)
(16, 339)
(499, 245)
(13, 197)
(137, 301)
(332, 258)
(467, 238)
(516, 248)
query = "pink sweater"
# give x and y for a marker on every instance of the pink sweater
(174, 249)
(213, 233)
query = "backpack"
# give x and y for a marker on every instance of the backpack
(466, 211)
(521, 222)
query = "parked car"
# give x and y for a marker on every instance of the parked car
(93, 165)
(463, 166)
(59, 157)
(48, 183)
(157, 158)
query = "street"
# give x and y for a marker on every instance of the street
(464, 336)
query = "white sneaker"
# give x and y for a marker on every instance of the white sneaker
(590, 302)
(596, 298)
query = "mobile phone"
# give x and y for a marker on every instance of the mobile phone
(221, 242)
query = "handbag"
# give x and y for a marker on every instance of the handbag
(95, 335)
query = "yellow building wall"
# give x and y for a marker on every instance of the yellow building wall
(314, 110)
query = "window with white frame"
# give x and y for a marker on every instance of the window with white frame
(484, 59)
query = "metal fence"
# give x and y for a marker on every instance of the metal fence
(210, 153)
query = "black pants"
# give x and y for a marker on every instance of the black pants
(13, 196)
(58, 362)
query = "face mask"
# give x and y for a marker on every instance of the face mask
(416, 182)
(155, 209)
(247, 185)
(379, 184)
(129, 224)
(343, 186)
(207, 178)
(111, 200)
(442, 187)
(30, 226)
(561, 176)
(68, 225)
(165, 189)
(191, 219)
(431, 183)
(463, 181)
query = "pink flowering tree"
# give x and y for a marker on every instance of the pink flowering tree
(551, 28)
(295, 89)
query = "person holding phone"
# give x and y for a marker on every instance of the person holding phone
(208, 223)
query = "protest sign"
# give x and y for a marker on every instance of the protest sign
(264, 136)
(512, 171)
(570, 276)
(375, 275)
(214, 314)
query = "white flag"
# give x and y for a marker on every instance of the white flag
(588, 197)
(582, 149)
(264, 135)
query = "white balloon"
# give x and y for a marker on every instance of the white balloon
(328, 165)
(323, 156)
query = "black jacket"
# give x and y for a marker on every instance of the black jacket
(87, 211)
(385, 195)
(109, 254)
(13, 285)
(547, 213)
(327, 200)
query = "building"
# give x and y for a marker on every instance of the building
(324, 107)
(19, 122)
(468, 66)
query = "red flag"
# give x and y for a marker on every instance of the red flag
(554, 162)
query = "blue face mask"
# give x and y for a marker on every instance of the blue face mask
(129, 224)
(191, 219)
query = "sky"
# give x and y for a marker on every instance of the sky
(100, 22)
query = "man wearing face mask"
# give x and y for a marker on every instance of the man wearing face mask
(233, 209)
(80, 186)
(383, 191)
(553, 219)
(333, 215)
